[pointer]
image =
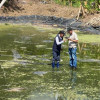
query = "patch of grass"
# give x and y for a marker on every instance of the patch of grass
(83, 37)
(89, 38)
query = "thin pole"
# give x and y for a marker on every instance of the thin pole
(2, 2)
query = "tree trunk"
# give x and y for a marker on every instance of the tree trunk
(2, 2)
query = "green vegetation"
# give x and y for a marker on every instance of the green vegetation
(25, 66)
(83, 36)
(25, 62)
(88, 4)
(88, 38)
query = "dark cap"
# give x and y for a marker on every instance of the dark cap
(61, 32)
(69, 29)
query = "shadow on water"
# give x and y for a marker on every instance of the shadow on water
(26, 72)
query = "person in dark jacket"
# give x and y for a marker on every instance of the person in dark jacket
(57, 48)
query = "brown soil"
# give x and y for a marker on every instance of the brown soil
(36, 7)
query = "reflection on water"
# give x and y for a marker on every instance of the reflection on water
(73, 78)
(16, 55)
(26, 73)
(40, 73)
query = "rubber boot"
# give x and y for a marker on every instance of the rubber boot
(57, 64)
(53, 64)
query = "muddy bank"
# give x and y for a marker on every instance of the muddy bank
(51, 20)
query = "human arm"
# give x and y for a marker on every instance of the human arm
(57, 41)
(72, 40)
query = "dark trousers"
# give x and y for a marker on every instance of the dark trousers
(56, 56)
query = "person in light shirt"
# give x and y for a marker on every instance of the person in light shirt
(57, 48)
(72, 43)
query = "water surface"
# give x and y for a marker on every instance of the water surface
(26, 73)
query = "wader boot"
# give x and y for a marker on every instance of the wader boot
(53, 64)
(57, 64)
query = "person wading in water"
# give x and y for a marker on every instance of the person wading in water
(72, 41)
(57, 48)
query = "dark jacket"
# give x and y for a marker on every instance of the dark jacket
(56, 47)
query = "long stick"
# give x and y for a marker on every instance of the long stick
(2, 2)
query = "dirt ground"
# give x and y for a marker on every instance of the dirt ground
(38, 7)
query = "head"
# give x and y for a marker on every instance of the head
(70, 30)
(62, 33)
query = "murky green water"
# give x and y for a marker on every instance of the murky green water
(26, 73)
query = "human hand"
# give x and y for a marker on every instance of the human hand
(69, 39)
(66, 37)
(64, 40)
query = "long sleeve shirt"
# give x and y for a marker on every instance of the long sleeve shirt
(57, 41)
